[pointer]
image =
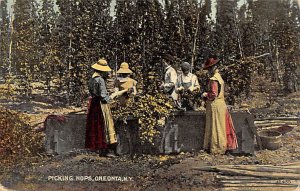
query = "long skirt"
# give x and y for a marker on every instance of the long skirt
(219, 130)
(100, 132)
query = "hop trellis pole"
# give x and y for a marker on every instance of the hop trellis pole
(9, 76)
(195, 36)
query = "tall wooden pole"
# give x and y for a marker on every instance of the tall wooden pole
(11, 40)
(10, 51)
(238, 35)
(195, 37)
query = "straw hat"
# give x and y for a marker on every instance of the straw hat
(101, 65)
(210, 62)
(124, 69)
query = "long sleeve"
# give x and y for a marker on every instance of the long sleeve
(103, 91)
(213, 90)
(173, 77)
(170, 78)
(195, 82)
(178, 83)
(134, 87)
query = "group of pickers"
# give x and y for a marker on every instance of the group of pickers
(101, 136)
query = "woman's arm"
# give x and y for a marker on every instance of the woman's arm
(103, 91)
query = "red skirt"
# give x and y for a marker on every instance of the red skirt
(95, 135)
(230, 133)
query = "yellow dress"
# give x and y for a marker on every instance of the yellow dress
(218, 126)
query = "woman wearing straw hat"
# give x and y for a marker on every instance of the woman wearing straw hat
(124, 84)
(100, 131)
(219, 130)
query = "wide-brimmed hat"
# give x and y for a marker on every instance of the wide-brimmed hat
(124, 68)
(210, 62)
(101, 65)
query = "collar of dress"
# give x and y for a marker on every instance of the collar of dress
(96, 74)
(216, 72)
(168, 67)
(187, 76)
(124, 79)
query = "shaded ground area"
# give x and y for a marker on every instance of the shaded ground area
(148, 172)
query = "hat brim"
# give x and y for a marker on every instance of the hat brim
(101, 68)
(211, 64)
(124, 71)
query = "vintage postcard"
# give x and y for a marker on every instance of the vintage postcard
(149, 95)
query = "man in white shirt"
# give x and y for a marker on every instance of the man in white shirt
(187, 85)
(170, 133)
(170, 78)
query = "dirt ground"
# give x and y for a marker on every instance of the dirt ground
(147, 172)
(89, 171)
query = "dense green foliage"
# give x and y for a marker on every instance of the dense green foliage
(57, 48)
